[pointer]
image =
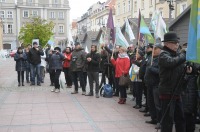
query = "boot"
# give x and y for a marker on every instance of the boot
(123, 101)
(120, 100)
(22, 83)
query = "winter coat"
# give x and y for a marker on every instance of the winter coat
(55, 61)
(78, 60)
(35, 56)
(190, 95)
(66, 63)
(171, 69)
(20, 61)
(121, 65)
(151, 77)
(27, 61)
(93, 65)
(43, 62)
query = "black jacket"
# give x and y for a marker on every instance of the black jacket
(35, 56)
(171, 69)
(93, 65)
(152, 74)
(20, 61)
(115, 54)
(189, 95)
(142, 70)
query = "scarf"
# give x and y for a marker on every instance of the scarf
(123, 55)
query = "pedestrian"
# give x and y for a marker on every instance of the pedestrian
(92, 62)
(34, 56)
(171, 65)
(28, 69)
(122, 65)
(56, 59)
(42, 67)
(20, 66)
(66, 67)
(76, 66)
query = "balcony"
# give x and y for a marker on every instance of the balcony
(42, 5)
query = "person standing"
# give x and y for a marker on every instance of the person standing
(76, 66)
(28, 70)
(122, 65)
(20, 66)
(42, 68)
(66, 66)
(56, 60)
(92, 62)
(171, 66)
(34, 56)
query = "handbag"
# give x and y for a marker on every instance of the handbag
(124, 80)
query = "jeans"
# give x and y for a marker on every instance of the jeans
(20, 76)
(173, 114)
(42, 73)
(68, 77)
(35, 70)
(75, 76)
(122, 89)
(56, 74)
(28, 73)
(93, 76)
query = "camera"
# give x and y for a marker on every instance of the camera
(74, 58)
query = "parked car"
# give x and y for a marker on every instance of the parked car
(4, 53)
(12, 53)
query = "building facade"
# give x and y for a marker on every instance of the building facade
(15, 14)
(130, 8)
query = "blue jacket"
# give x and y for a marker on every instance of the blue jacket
(55, 61)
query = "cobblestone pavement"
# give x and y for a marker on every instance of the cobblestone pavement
(36, 109)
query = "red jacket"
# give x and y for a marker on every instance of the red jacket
(121, 65)
(66, 63)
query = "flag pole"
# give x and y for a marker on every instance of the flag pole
(155, 39)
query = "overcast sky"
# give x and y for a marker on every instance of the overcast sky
(79, 7)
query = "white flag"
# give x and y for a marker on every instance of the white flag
(161, 28)
(120, 39)
(86, 49)
(129, 31)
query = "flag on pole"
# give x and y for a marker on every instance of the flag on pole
(120, 39)
(154, 20)
(129, 31)
(161, 28)
(110, 25)
(193, 49)
(86, 49)
(145, 30)
(51, 41)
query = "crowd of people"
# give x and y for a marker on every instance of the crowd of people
(162, 76)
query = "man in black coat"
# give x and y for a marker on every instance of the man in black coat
(171, 64)
(92, 62)
(34, 56)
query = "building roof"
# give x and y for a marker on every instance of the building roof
(180, 16)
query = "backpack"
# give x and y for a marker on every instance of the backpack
(107, 91)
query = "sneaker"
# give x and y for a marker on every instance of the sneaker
(83, 93)
(89, 94)
(57, 90)
(53, 90)
(74, 92)
(97, 95)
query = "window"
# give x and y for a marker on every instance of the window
(135, 6)
(34, 13)
(52, 15)
(4, 28)
(26, 14)
(55, 1)
(118, 12)
(142, 4)
(10, 28)
(124, 8)
(2, 0)
(61, 29)
(161, 11)
(10, 14)
(61, 15)
(129, 6)
(2, 14)
(30, 1)
(151, 2)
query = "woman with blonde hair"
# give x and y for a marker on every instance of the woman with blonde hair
(122, 65)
